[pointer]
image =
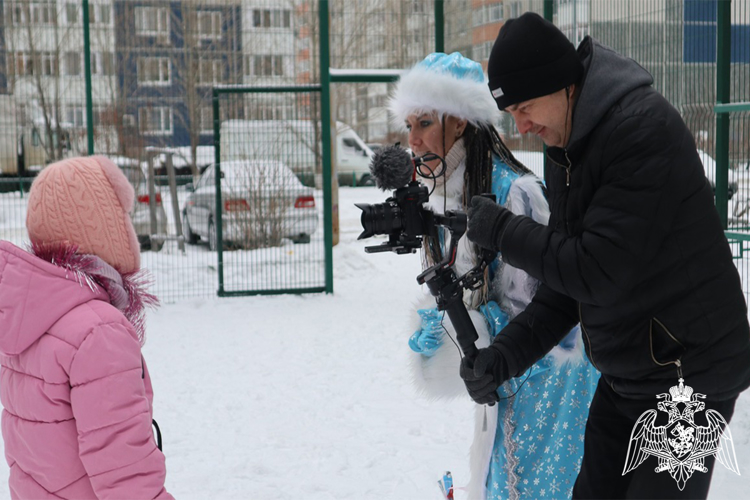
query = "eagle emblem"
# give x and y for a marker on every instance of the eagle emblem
(680, 445)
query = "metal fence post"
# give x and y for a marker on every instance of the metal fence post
(87, 72)
(723, 72)
(217, 170)
(548, 10)
(175, 201)
(151, 198)
(439, 26)
(325, 119)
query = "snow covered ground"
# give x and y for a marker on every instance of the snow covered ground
(291, 397)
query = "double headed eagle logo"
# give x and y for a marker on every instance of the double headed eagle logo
(681, 446)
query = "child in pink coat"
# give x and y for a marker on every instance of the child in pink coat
(76, 393)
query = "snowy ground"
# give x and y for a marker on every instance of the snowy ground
(290, 397)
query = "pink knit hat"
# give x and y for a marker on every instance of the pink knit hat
(85, 202)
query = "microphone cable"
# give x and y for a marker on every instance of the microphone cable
(420, 161)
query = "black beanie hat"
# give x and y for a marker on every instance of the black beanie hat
(531, 58)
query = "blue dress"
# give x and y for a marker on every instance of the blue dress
(539, 441)
(541, 417)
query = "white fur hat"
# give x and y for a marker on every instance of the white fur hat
(447, 84)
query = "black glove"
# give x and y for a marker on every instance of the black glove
(484, 375)
(487, 222)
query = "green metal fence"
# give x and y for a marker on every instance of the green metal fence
(699, 54)
(153, 65)
(270, 218)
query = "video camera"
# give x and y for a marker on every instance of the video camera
(406, 222)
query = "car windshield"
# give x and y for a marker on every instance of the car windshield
(258, 175)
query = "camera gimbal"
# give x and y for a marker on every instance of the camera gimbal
(448, 288)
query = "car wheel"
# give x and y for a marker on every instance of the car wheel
(187, 233)
(212, 236)
(145, 242)
(367, 180)
(148, 244)
(301, 238)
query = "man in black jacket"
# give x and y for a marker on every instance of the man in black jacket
(634, 251)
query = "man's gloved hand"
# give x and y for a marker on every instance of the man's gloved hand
(482, 377)
(427, 339)
(487, 222)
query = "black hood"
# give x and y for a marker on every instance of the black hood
(608, 76)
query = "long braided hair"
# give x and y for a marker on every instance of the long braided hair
(480, 142)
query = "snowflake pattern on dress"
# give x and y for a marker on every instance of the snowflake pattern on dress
(538, 445)
(547, 419)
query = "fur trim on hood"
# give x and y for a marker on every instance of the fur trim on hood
(127, 291)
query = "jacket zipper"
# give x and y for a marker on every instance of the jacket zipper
(586, 335)
(566, 167)
(677, 361)
(567, 179)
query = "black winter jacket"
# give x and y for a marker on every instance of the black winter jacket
(634, 251)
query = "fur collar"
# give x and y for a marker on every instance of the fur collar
(127, 292)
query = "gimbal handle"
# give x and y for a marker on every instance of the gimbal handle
(450, 299)
(446, 287)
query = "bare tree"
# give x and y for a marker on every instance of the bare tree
(34, 41)
(189, 75)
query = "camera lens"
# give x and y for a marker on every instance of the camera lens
(381, 218)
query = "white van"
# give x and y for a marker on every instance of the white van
(293, 143)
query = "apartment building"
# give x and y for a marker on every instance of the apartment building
(42, 46)
(153, 62)
(169, 56)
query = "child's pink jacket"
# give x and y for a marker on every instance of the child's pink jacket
(76, 393)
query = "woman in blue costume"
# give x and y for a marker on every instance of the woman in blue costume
(530, 444)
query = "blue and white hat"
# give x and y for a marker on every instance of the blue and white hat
(447, 84)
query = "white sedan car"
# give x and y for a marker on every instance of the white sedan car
(262, 203)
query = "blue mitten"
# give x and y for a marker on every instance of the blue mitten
(429, 338)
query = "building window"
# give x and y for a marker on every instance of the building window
(102, 63)
(44, 13)
(515, 8)
(496, 12)
(209, 25)
(71, 13)
(23, 64)
(264, 65)
(152, 21)
(269, 111)
(73, 63)
(155, 120)
(20, 62)
(76, 116)
(487, 14)
(99, 14)
(207, 120)
(19, 14)
(16, 63)
(209, 72)
(271, 18)
(154, 71)
(48, 63)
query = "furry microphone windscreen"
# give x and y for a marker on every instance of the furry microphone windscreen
(392, 168)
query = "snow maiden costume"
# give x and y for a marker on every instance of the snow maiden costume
(75, 389)
(530, 444)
